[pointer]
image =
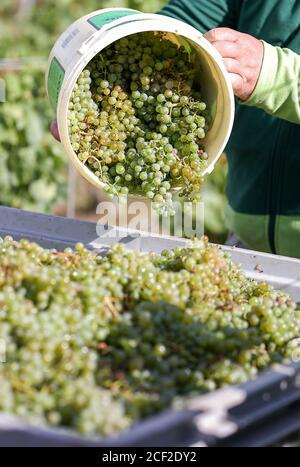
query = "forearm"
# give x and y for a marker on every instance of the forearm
(278, 91)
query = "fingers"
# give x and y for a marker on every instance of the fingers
(227, 49)
(234, 66)
(221, 34)
(237, 84)
(54, 130)
(242, 55)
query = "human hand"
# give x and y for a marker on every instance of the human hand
(54, 130)
(243, 57)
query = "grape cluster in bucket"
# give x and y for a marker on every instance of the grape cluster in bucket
(137, 122)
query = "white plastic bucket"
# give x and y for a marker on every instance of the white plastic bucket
(90, 34)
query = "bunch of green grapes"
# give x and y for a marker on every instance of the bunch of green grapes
(97, 343)
(136, 121)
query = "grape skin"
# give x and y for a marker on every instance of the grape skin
(97, 343)
(141, 105)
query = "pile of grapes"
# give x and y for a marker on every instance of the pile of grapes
(96, 343)
(136, 121)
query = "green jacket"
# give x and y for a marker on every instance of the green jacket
(264, 150)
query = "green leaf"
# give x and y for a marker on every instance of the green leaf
(186, 45)
(43, 192)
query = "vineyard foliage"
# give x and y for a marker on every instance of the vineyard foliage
(32, 164)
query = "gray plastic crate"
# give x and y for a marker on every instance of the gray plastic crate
(59, 232)
(232, 413)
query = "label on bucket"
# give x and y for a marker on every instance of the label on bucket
(55, 79)
(99, 21)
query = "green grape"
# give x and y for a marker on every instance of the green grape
(96, 343)
(132, 92)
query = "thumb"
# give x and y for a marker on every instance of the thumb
(237, 82)
(54, 130)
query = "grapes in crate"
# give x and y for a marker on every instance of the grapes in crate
(97, 343)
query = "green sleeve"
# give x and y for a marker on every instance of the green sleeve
(204, 14)
(278, 89)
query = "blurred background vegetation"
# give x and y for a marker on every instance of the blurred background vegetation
(33, 167)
